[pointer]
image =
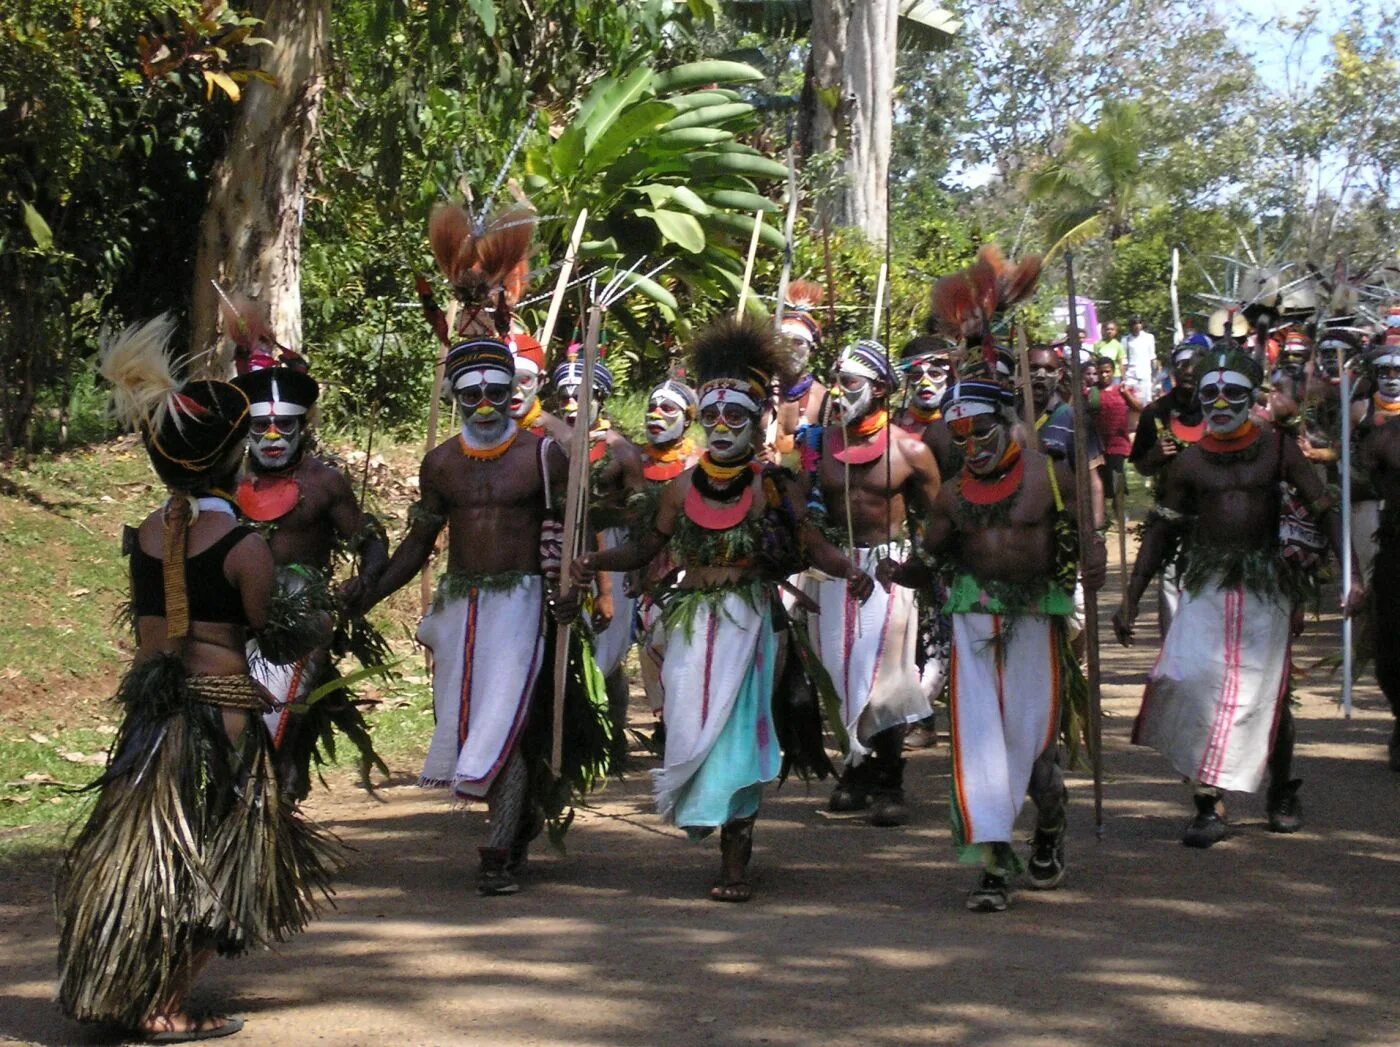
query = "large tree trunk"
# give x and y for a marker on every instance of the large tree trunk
(250, 236)
(868, 108)
(848, 106)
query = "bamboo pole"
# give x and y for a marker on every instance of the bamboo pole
(1178, 332)
(1084, 503)
(1344, 392)
(565, 272)
(879, 301)
(575, 523)
(748, 263)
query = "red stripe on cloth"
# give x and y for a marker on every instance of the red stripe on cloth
(468, 645)
(959, 791)
(1054, 723)
(522, 707)
(709, 662)
(1228, 699)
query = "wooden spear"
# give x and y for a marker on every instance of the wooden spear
(425, 580)
(565, 272)
(1085, 513)
(748, 264)
(1344, 394)
(575, 523)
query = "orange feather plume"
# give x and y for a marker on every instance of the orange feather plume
(805, 295)
(487, 269)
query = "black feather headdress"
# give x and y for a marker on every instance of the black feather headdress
(738, 348)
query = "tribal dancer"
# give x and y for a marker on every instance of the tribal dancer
(1216, 703)
(191, 848)
(525, 408)
(305, 507)
(1005, 528)
(867, 479)
(671, 407)
(801, 400)
(733, 526)
(494, 487)
(1378, 459)
(1169, 424)
(615, 474)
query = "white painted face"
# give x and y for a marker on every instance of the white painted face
(1226, 397)
(729, 416)
(275, 440)
(568, 404)
(928, 379)
(1386, 368)
(526, 389)
(665, 417)
(984, 440)
(483, 395)
(801, 340)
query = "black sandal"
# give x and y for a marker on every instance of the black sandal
(226, 1027)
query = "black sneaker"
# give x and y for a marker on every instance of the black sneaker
(1285, 809)
(1207, 828)
(992, 893)
(1046, 869)
(852, 792)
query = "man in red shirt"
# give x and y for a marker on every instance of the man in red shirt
(1110, 408)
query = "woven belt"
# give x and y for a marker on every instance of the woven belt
(233, 692)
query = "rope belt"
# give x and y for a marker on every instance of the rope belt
(232, 692)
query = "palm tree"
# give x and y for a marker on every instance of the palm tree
(1100, 179)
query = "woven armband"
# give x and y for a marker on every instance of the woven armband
(417, 514)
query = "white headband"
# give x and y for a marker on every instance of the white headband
(1228, 378)
(724, 391)
(1387, 360)
(481, 376)
(852, 365)
(664, 393)
(275, 406)
(957, 410)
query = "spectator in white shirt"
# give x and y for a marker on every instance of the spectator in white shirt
(1138, 370)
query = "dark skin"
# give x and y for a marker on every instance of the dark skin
(642, 550)
(1378, 453)
(881, 492)
(326, 511)
(1183, 394)
(1240, 498)
(1021, 550)
(493, 508)
(212, 649)
(1047, 370)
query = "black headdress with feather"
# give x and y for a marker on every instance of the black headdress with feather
(739, 349)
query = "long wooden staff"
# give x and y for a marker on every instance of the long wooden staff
(748, 264)
(1344, 394)
(1178, 332)
(879, 301)
(565, 272)
(425, 580)
(1086, 536)
(770, 437)
(1023, 371)
(575, 523)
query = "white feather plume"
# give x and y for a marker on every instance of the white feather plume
(137, 363)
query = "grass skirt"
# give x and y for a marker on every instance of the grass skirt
(191, 846)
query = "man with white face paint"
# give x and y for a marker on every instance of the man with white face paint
(305, 509)
(493, 486)
(1216, 703)
(668, 452)
(1006, 523)
(525, 407)
(615, 474)
(800, 400)
(1376, 519)
(868, 479)
(735, 528)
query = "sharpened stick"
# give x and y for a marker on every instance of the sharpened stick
(748, 264)
(879, 301)
(425, 580)
(1085, 513)
(1344, 393)
(565, 271)
(575, 523)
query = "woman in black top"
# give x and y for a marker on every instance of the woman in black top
(189, 846)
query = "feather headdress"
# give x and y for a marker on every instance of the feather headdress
(249, 325)
(136, 362)
(968, 305)
(486, 265)
(739, 348)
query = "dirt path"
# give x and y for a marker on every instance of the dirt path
(856, 935)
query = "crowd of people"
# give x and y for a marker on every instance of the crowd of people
(842, 554)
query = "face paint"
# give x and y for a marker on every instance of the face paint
(525, 392)
(851, 399)
(482, 396)
(568, 404)
(928, 378)
(984, 441)
(1045, 377)
(1387, 372)
(1226, 397)
(275, 441)
(665, 419)
(728, 415)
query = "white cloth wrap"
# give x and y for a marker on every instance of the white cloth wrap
(288, 684)
(611, 644)
(874, 667)
(651, 652)
(1003, 710)
(1214, 697)
(706, 665)
(486, 649)
(1365, 521)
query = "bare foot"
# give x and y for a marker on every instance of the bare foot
(179, 1027)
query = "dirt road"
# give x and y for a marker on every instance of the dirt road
(856, 934)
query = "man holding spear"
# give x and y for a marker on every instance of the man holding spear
(1004, 528)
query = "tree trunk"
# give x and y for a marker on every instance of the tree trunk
(868, 111)
(848, 107)
(250, 236)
